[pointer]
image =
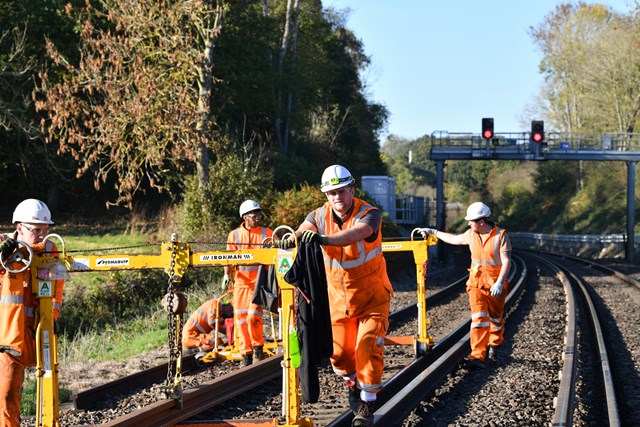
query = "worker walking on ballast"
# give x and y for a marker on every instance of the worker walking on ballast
(350, 233)
(487, 285)
(248, 316)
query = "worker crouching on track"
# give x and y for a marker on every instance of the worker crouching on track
(487, 285)
(249, 235)
(17, 306)
(198, 333)
(350, 232)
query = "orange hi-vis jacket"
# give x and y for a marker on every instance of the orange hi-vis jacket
(18, 309)
(199, 330)
(485, 259)
(356, 274)
(239, 239)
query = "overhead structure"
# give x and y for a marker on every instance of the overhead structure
(539, 146)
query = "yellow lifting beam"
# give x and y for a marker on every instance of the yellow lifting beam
(424, 341)
(175, 259)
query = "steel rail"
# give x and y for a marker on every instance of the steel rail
(565, 414)
(564, 402)
(88, 399)
(451, 351)
(198, 399)
(211, 393)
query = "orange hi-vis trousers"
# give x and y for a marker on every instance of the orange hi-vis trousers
(248, 317)
(358, 345)
(487, 320)
(11, 379)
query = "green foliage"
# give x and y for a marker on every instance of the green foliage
(209, 213)
(29, 396)
(292, 206)
(410, 177)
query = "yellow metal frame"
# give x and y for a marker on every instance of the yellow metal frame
(424, 341)
(175, 258)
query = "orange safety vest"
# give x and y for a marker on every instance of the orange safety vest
(485, 258)
(197, 330)
(357, 273)
(18, 309)
(241, 238)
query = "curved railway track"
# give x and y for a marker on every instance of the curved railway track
(416, 381)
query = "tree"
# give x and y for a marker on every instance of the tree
(591, 64)
(129, 110)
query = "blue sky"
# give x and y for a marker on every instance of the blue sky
(440, 65)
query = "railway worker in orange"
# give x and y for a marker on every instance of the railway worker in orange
(350, 233)
(17, 307)
(199, 330)
(248, 316)
(487, 285)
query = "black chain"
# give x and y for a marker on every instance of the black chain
(174, 352)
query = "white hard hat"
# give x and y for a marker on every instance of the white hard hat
(32, 211)
(477, 210)
(335, 176)
(248, 206)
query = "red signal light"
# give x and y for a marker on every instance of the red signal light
(537, 131)
(487, 128)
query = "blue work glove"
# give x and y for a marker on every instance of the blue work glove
(496, 289)
(8, 246)
(283, 243)
(427, 231)
(309, 236)
(225, 282)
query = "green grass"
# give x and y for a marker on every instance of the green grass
(117, 337)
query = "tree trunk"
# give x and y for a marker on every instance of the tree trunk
(205, 83)
(282, 143)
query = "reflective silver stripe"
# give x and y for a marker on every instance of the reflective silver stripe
(496, 328)
(254, 312)
(241, 311)
(339, 372)
(57, 306)
(236, 235)
(474, 316)
(380, 342)
(479, 324)
(361, 260)
(29, 311)
(321, 220)
(248, 268)
(11, 299)
(242, 322)
(369, 387)
(200, 328)
(496, 319)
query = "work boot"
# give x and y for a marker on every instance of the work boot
(474, 364)
(247, 359)
(364, 415)
(492, 354)
(354, 398)
(258, 354)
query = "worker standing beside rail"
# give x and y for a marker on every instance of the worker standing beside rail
(248, 316)
(17, 309)
(350, 232)
(487, 285)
